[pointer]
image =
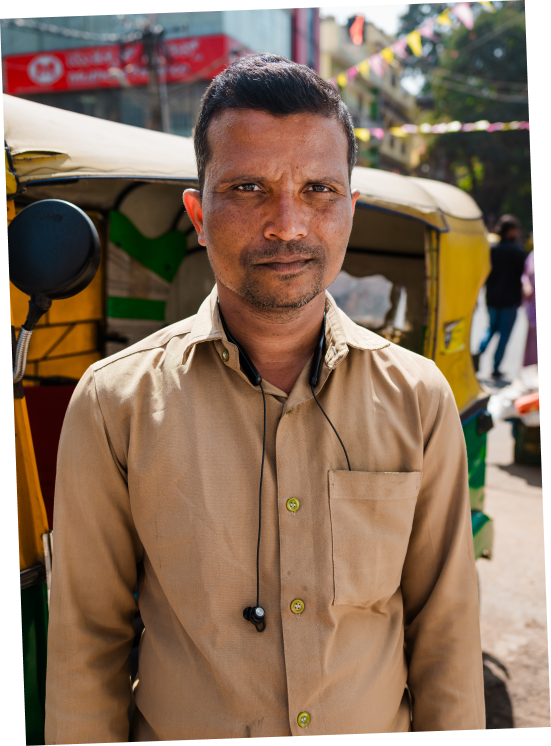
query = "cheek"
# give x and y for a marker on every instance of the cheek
(334, 227)
(227, 228)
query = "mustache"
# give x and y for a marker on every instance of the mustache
(275, 250)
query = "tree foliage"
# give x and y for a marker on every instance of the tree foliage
(480, 75)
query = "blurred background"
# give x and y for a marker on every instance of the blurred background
(151, 71)
(436, 91)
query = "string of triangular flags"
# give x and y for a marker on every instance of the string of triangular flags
(366, 133)
(378, 63)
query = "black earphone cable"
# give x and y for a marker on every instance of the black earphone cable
(334, 430)
(260, 502)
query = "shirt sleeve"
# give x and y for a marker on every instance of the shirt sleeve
(439, 585)
(95, 554)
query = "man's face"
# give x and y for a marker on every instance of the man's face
(276, 209)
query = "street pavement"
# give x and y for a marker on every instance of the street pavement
(513, 614)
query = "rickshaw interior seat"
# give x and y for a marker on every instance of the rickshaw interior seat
(390, 249)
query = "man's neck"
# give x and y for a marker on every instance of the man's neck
(278, 341)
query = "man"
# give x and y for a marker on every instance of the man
(503, 289)
(343, 597)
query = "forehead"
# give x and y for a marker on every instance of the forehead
(252, 137)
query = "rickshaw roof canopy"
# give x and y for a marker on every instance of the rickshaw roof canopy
(48, 144)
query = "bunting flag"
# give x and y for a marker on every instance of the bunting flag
(415, 43)
(488, 6)
(376, 62)
(444, 18)
(464, 13)
(342, 79)
(351, 74)
(399, 47)
(379, 62)
(426, 29)
(365, 133)
(363, 68)
(362, 133)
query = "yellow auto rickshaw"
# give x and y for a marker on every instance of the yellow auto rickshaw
(417, 258)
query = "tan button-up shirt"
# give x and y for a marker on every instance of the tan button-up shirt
(159, 469)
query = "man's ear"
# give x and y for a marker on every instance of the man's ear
(192, 203)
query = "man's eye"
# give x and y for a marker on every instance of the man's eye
(319, 188)
(248, 187)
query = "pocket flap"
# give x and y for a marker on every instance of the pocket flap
(374, 485)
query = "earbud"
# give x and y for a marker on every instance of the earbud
(255, 615)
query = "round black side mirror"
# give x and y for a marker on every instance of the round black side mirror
(54, 253)
(54, 249)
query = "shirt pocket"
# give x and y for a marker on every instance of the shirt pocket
(371, 520)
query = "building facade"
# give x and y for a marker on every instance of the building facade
(373, 101)
(95, 64)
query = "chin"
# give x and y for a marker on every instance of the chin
(283, 298)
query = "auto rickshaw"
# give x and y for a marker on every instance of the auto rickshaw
(417, 258)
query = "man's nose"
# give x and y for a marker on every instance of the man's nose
(287, 221)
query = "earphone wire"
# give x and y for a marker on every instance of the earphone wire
(334, 430)
(260, 502)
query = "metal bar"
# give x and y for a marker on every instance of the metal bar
(47, 540)
(32, 575)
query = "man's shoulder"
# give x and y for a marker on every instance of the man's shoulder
(149, 347)
(362, 338)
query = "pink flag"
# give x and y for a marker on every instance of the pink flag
(377, 65)
(377, 132)
(351, 73)
(426, 29)
(399, 47)
(463, 12)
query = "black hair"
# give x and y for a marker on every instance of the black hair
(505, 223)
(274, 84)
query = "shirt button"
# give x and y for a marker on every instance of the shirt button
(303, 719)
(297, 607)
(225, 355)
(293, 504)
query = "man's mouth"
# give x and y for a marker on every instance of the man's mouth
(286, 264)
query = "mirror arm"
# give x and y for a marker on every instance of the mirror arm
(38, 305)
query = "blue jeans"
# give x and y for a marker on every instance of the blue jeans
(502, 321)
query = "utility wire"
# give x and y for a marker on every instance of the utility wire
(473, 79)
(30, 24)
(482, 93)
(491, 34)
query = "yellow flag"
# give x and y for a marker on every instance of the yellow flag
(488, 6)
(342, 80)
(444, 18)
(388, 55)
(363, 68)
(397, 132)
(415, 43)
(362, 133)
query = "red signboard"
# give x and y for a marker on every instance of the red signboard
(115, 66)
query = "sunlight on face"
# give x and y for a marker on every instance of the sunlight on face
(276, 205)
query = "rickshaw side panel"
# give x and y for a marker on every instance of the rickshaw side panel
(464, 264)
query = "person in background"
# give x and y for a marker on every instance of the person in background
(529, 303)
(503, 288)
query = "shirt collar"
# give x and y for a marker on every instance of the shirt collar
(341, 333)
